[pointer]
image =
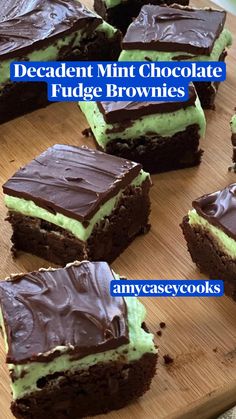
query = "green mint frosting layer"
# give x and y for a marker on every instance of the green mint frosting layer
(225, 40)
(140, 343)
(50, 53)
(233, 124)
(112, 3)
(226, 243)
(30, 209)
(165, 124)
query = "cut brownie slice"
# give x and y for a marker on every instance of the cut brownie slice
(210, 232)
(74, 203)
(121, 13)
(178, 33)
(161, 136)
(45, 30)
(73, 350)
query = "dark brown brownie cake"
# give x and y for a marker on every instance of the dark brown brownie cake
(74, 203)
(75, 350)
(45, 30)
(210, 232)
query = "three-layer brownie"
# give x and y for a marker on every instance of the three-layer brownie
(161, 136)
(47, 30)
(210, 232)
(74, 203)
(72, 349)
(178, 33)
(121, 13)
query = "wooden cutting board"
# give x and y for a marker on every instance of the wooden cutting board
(200, 334)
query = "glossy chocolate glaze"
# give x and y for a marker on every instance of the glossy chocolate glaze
(114, 112)
(26, 25)
(219, 209)
(74, 181)
(69, 307)
(175, 28)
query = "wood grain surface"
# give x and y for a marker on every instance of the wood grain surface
(200, 334)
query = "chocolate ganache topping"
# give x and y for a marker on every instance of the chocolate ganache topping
(26, 25)
(120, 111)
(69, 307)
(219, 209)
(74, 181)
(175, 28)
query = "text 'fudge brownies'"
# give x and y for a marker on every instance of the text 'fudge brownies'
(161, 136)
(47, 30)
(74, 203)
(72, 349)
(178, 33)
(210, 232)
(121, 13)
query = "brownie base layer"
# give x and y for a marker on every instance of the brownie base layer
(122, 15)
(207, 90)
(109, 238)
(209, 258)
(160, 154)
(23, 97)
(100, 389)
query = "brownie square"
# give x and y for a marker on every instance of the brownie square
(44, 30)
(75, 203)
(210, 232)
(72, 349)
(161, 136)
(178, 33)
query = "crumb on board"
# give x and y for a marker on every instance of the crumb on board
(87, 132)
(168, 359)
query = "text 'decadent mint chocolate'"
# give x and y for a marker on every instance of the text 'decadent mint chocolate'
(210, 232)
(77, 203)
(161, 136)
(64, 334)
(176, 33)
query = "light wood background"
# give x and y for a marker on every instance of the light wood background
(200, 334)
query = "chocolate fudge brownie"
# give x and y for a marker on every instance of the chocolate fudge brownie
(161, 136)
(210, 232)
(121, 13)
(178, 33)
(75, 203)
(72, 349)
(47, 30)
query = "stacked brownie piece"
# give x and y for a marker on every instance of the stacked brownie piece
(178, 33)
(74, 203)
(45, 30)
(210, 232)
(72, 349)
(161, 136)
